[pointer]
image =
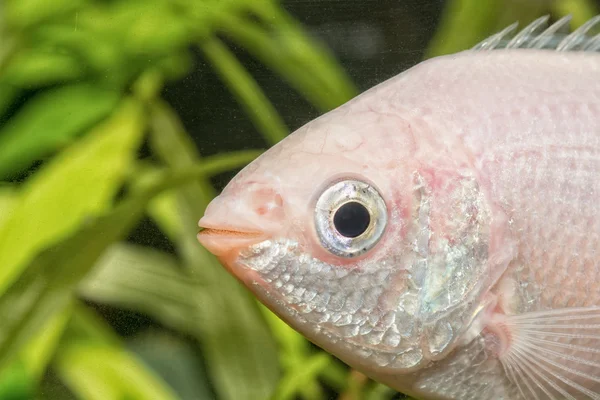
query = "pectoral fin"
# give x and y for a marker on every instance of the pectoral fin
(552, 354)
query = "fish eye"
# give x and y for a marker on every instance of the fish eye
(350, 217)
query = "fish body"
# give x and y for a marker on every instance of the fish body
(475, 273)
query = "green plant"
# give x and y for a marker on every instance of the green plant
(92, 73)
(80, 84)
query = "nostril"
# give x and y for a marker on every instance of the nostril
(267, 201)
(262, 210)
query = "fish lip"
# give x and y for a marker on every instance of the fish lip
(227, 232)
(227, 241)
(214, 226)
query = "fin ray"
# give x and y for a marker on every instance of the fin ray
(521, 37)
(534, 36)
(553, 353)
(509, 369)
(563, 335)
(545, 37)
(493, 41)
(593, 44)
(562, 326)
(569, 358)
(530, 371)
(568, 346)
(578, 35)
(536, 360)
(575, 312)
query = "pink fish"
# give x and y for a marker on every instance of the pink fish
(440, 232)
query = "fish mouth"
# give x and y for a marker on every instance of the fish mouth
(228, 241)
(228, 232)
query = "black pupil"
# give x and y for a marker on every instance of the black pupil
(352, 219)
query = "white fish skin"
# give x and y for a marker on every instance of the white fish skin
(486, 282)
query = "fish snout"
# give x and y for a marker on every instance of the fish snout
(240, 218)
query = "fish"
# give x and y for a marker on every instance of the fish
(440, 232)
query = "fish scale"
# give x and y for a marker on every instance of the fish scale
(540, 230)
(547, 176)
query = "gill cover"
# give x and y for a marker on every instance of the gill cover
(458, 258)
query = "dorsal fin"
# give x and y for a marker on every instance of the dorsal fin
(540, 35)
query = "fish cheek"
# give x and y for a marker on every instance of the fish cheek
(454, 226)
(350, 312)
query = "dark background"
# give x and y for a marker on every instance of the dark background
(372, 39)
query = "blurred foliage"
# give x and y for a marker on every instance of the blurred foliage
(467, 22)
(80, 85)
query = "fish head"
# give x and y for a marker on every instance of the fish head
(332, 230)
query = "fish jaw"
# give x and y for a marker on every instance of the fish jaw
(239, 218)
(224, 238)
(227, 242)
(225, 234)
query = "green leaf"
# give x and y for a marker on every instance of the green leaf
(467, 22)
(96, 51)
(581, 10)
(176, 65)
(46, 287)
(16, 383)
(239, 350)
(171, 178)
(9, 45)
(8, 195)
(22, 377)
(248, 92)
(176, 361)
(140, 33)
(144, 280)
(381, 392)
(78, 184)
(24, 13)
(2, 20)
(295, 352)
(464, 23)
(49, 121)
(37, 353)
(303, 375)
(308, 52)
(148, 85)
(97, 367)
(294, 348)
(35, 68)
(8, 93)
(287, 50)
